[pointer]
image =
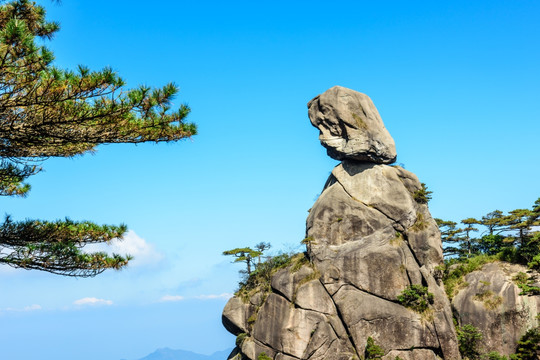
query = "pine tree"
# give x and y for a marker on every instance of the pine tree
(466, 239)
(373, 351)
(519, 220)
(247, 255)
(261, 248)
(449, 237)
(49, 112)
(492, 221)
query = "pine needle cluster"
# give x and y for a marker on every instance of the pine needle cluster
(50, 112)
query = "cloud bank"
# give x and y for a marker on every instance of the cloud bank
(92, 301)
(33, 307)
(132, 244)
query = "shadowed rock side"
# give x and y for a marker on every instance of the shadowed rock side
(491, 302)
(368, 240)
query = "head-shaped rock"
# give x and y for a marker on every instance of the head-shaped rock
(350, 126)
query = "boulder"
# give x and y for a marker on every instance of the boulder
(391, 325)
(235, 316)
(491, 302)
(350, 126)
(297, 332)
(414, 354)
(382, 269)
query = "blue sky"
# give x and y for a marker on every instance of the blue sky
(456, 83)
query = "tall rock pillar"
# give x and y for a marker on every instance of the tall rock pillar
(369, 238)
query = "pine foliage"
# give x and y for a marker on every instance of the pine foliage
(50, 112)
(513, 237)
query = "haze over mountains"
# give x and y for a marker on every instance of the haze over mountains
(170, 354)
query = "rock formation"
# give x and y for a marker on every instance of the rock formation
(369, 238)
(491, 302)
(351, 127)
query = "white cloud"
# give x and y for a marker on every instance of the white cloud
(172, 298)
(132, 244)
(224, 296)
(92, 301)
(33, 307)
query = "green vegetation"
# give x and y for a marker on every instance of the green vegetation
(263, 356)
(494, 356)
(373, 351)
(423, 195)
(528, 346)
(258, 274)
(298, 261)
(259, 279)
(308, 241)
(245, 254)
(520, 278)
(469, 338)
(359, 122)
(240, 339)
(513, 237)
(490, 300)
(251, 320)
(416, 297)
(50, 112)
(397, 240)
(454, 271)
(419, 224)
(525, 283)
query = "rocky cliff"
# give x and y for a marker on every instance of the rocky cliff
(492, 300)
(371, 266)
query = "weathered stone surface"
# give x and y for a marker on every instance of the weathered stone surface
(253, 348)
(391, 325)
(379, 187)
(325, 345)
(371, 203)
(337, 218)
(303, 289)
(236, 354)
(235, 316)
(285, 281)
(491, 302)
(442, 317)
(424, 239)
(350, 126)
(379, 267)
(286, 329)
(284, 357)
(415, 354)
(313, 296)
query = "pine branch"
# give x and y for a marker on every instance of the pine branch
(57, 247)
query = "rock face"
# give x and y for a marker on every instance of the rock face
(350, 126)
(492, 303)
(368, 240)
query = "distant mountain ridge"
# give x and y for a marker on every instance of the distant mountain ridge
(170, 354)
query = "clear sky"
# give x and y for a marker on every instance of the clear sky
(456, 83)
